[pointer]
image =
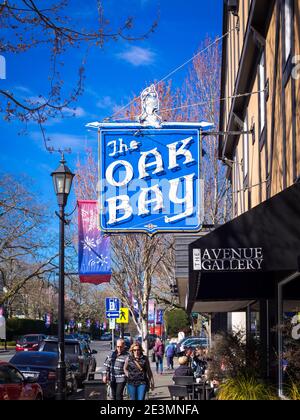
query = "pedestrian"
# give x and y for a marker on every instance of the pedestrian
(115, 374)
(159, 350)
(199, 362)
(189, 353)
(170, 353)
(183, 369)
(138, 372)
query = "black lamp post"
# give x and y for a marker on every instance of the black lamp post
(62, 180)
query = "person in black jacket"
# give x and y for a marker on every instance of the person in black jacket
(183, 369)
(138, 372)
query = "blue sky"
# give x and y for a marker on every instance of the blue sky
(113, 73)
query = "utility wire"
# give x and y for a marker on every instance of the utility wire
(240, 95)
(175, 70)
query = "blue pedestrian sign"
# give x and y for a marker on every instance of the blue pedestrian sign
(112, 308)
(150, 178)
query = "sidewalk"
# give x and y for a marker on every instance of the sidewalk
(161, 391)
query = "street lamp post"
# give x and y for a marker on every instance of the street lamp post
(62, 180)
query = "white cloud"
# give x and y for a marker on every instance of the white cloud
(138, 56)
(78, 112)
(23, 89)
(105, 102)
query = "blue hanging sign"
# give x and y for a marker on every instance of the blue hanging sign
(112, 308)
(150, 178)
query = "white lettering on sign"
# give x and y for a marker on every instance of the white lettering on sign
(229, 259)
(174, 153)
(197, 259)
(128, 173)
(144, 203)
(296, 328)
(113, 209)
(120, 148)
(187, 201)
(158, 163)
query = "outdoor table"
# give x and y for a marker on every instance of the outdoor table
(201, 390)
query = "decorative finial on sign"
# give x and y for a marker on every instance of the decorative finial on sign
(150, 108)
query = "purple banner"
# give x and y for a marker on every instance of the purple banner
(159, 317)
(94, 265)
(47, 320)
(151, 311)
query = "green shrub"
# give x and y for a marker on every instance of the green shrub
(177, 320)
(245, 388)
(294, 392)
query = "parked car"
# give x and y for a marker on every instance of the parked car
(77, 353)
(41, 367)
(128, 336)
(106, 337)
(29, 342)
(150, 338)
(86, 337)
(193, 343)
(14, 386)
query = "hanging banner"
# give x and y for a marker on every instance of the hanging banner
(72, 323)
(150, 179)
(151, 311)
(159, 317)
(47, 320)
(94, 265)
(2, 325)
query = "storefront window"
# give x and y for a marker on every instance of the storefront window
(289, 340)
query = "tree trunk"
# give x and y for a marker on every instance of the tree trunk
(144, 334)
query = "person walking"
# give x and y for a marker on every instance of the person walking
(138, 372)
(170, 353)
(159, 350)
(115, 374)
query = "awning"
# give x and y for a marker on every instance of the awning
(244, 259)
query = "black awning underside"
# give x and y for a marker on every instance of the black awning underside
(274, 226)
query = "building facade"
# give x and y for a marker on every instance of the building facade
(252, 263)
(261, 57)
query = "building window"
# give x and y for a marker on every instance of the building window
(288, 21)
(262, 96)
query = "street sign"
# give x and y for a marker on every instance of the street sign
(150, 179)
(112, 324)
(112, 308)
(124, 316)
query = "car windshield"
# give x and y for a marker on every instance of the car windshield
(29, 339)
(53, 347)
(33, 360)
